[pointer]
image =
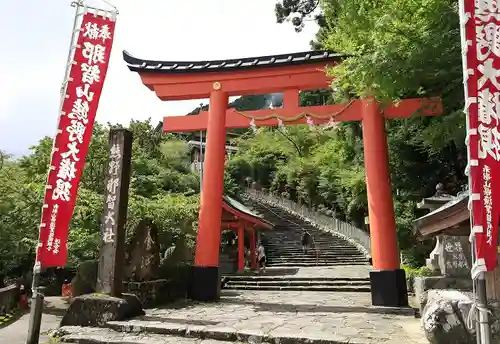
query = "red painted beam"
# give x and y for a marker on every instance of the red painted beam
(296, 115)
(236, 87)
(235, 119)
(230, 225)
(238, 82)
(415, 106)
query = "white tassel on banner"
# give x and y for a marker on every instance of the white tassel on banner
(474, 231)
(478, 267)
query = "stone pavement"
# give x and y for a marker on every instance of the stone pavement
(253, 317)
(339, 271)
(17, 332)
(284, 317)
(290, 317)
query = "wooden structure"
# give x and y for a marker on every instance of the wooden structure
(237, 217)
(453, 219)
(287, 74)
(448, 216)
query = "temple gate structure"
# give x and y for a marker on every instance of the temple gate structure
(238, 218)
(287, 74)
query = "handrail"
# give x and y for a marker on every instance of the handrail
(354, 235)
(293, 222)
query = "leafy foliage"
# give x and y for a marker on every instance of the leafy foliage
(298, 11)
(163, 189)
(394, 50)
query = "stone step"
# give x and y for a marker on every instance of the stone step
(295, 278)
(311, 256)
(314, 262)
(313, 259)
(297, 250)
(299, 288)
(284, 228)
(310, 264)
(311, 253)
(210, 332)
(299, 264)
(297, 283)
(93, 335)
(294, 246)
(323, 252)
(328, 250)
(287, 229)
(298, 241)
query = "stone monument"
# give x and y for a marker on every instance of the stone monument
(452, 260)
(143, 253)
(110, 303)
(112, 251)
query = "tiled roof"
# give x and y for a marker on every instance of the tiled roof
(231, 202)
(139, 65)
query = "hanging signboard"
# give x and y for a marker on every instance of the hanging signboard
(480, 20)
(80, 101)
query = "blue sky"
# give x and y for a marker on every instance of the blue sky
(35, 35)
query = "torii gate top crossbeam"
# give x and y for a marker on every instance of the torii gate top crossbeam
(287, 73)
(255, 75)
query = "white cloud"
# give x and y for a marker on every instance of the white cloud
(153, 29)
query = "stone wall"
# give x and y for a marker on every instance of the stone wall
(9, 296)
(151, 293)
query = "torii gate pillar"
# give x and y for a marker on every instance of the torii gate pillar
(388, 281)
(205, 278)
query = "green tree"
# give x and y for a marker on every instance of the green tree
(393, 50)
(163, 190)
(298, 12)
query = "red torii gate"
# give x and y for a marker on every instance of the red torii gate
(289, 73)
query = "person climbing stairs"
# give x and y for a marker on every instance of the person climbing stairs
(284, 250)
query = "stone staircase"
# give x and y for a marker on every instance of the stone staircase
(292, 283)
(283, 244)
(284, 251)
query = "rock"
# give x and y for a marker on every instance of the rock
(98, 309)
(86, 278)
(445, 317)
(143, 253)
(423, 284)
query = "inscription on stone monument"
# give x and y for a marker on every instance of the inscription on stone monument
(112, 251)
(453, 261)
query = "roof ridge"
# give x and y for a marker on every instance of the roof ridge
(316, 56)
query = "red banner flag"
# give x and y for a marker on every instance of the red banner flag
(481, 46)
(86, 78)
